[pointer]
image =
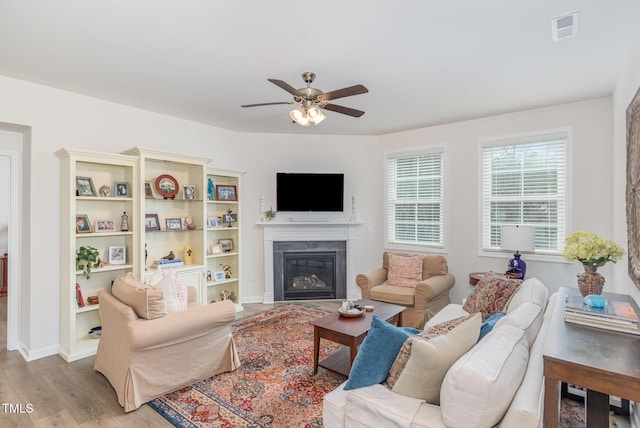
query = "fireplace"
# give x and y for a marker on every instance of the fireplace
(309, 270)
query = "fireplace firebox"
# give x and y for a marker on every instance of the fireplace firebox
(309, 270)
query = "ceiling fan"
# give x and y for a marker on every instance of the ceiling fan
(312, 100)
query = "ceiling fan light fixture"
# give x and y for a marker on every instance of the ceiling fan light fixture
(299, 116)
(315, 115)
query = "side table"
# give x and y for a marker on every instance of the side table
(601, 361)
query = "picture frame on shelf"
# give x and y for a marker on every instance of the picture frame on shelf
(149, 193)
(219, 276)
(230, 218)
(83, 225)
(215, 249)
(122, 189)
(151, 222)
(215, 222)
(117, 255)
(186, 221)
(226, 192)
(85, 187)
(189, 191)
(226, 244)
(173, 223)
(103, 225)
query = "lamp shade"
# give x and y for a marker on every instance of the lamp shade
(518, 238)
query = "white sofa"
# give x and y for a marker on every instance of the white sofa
(499, 381)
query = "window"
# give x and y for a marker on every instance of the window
(415, 198)
(524, 182)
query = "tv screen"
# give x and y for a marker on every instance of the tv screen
(322, 192)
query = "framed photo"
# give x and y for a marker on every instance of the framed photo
(226, 193)
(149, 193)
(122, 189)
(151, 222)
(85, 187)
(83, 225)
(226, 245)
(189, 191)
(219, 276)
(215, 222)
(215, 249)
(230, 218)
(173, 223)
(117, 255)
(186, 221)
(104, 226)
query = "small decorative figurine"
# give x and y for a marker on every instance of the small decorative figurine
(227, 270)
(105, 191)
(169, 256)
(210, 189)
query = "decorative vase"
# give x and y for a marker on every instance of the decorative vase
(124, 225)
(590, 281)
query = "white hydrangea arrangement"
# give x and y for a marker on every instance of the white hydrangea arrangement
(591, 249)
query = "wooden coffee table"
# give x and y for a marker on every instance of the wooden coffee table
(350, 332)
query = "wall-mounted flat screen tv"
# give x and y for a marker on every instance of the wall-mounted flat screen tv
(303, 192)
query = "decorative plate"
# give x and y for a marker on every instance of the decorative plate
(351, 313)
(167, 186)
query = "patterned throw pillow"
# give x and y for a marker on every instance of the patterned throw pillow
(405, 352)
(491, 295)
(404, 271)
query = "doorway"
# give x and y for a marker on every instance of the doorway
(13, 141)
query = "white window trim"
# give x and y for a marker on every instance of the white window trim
(415, 151)
(564, 132)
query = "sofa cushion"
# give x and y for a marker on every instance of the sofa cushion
(527, 316)
(146, 301)
(377, 353)
(479, 387)
(404, 271)
(404, 296)
(490, 295)
(378, 406)
(531, 290)
(431, 265)
(429, 356)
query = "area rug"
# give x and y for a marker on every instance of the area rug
(274, 387)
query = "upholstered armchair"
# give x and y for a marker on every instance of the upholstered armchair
(146, 358)
(425, 299)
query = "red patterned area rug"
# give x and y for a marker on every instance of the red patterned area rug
(274, 386)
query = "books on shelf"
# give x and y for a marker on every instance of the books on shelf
(616, 315)
(168, 263)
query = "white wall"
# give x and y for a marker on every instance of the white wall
(8, 141)
(627, 86)
(590, 152)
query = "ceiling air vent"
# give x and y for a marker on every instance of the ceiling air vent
(564, 26)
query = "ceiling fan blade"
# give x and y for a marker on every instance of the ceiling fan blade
(266, 104)
(287, 87)
(344, 92)
(344, 110)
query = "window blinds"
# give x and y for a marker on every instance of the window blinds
(415, 198)
(525, 184)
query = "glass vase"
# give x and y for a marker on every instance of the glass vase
(590, 281)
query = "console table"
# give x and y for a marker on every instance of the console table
(601, 361)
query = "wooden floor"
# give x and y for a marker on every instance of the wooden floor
(53, 393)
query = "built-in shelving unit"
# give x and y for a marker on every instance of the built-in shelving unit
(223, 237)
(101, 169)
(180, 208)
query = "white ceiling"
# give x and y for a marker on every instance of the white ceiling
(424, 62)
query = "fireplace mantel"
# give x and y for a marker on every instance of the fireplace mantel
(309, 231)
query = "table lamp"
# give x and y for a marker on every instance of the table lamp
(518, 239)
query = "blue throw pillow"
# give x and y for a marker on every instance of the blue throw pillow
(488, 325)
(377, 353)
